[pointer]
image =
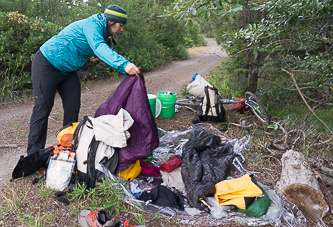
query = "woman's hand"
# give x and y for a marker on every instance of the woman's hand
(132, 69)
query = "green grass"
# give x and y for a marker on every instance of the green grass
(299, 115)
(229, 87)
(28, 206)
(45, 192)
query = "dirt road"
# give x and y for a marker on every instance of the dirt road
(15, 117)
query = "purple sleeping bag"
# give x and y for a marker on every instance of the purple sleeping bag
(131, 95)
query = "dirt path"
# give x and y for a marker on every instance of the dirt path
(15, 117)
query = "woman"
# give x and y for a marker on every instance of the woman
(55, 63)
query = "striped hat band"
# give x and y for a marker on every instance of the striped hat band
(116, 14)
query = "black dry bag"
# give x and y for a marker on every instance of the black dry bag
(31, 163)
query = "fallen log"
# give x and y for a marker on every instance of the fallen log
(299, 185)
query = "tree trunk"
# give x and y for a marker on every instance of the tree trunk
(253, 78)
(299, 185)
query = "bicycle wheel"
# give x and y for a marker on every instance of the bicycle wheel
(190, 102)
(257, 107)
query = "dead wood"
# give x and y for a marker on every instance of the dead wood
(289, 140)
(318, 165)
(328, 181)
(276, 144)
(299, 185)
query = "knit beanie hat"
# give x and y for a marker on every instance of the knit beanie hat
(116, 14)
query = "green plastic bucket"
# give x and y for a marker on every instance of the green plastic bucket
(168, 101)
(152, 103)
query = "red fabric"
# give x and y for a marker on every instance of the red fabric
(171, 164)
(239, 106)
(148, 169)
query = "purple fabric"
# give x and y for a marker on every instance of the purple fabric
(131, 95)
(148, 169)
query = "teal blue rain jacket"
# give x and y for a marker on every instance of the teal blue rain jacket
(75, 44)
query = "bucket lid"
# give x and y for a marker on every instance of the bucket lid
(166, 93)
(158, 108)
(151, 96)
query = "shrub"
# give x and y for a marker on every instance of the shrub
(149, 41)
(21, 37)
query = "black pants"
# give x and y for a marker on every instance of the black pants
(46, 81)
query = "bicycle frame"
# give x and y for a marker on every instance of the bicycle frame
(233, 101)
(253, 108)
(230, 101)
(251, 102)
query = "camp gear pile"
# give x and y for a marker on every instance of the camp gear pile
(265, 209)
(184, 174)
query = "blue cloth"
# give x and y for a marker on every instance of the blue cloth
(75, 44)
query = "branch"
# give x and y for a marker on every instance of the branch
(246, 49)
(323, 92)
(319, 165)
(284, 41)
(307, 115)
(324, 142)
(301, 94)
(325, 41)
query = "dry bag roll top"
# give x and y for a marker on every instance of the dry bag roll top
(239, 191)
(65, 134)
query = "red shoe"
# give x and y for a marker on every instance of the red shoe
(126, 224)
(97, 218)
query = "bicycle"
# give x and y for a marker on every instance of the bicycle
(251, 102)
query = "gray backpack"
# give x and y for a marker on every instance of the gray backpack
(212, 109)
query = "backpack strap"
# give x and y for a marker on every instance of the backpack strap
(91, 171)
(75, 140)
(77, 132)
(207, 99)
(217, 101)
